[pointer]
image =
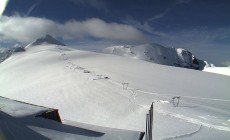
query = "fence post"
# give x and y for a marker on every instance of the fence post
(125, 86)
(149, 124)
(147, 128)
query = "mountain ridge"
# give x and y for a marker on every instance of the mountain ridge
(47, 39)
(154, 53)
(159, 54)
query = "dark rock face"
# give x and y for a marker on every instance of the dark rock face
(6, 53)
(188, 60)
(18, 49)
(48, 39)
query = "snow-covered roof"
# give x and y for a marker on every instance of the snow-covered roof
(18, 121)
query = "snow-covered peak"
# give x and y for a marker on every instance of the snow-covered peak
(159, 54)
(47, 39)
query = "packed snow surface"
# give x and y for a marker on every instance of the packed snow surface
(218, 70)
(113, 91)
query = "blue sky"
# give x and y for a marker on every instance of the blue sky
(201, 26)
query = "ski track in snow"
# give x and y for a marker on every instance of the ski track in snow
(160, 94)
(193, 120)
(70, 65)
(132, 94)
(184, 135)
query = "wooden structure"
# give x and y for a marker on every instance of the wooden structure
(51, 114)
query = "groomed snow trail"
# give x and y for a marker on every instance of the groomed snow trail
(131, 93)
(184, 135)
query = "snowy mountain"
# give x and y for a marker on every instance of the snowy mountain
(116, 92)
(47, 39)
(96, 90)
(7, 52)
(159, 54)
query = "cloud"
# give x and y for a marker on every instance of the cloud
(200, 35)
(25, 29)
(211, 44)
(166, 11)
(32, 8)
(97, 4)
(145, 26)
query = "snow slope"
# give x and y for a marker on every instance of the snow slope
(86, 87)
(7, 52)
(159, 54)
(218, 70)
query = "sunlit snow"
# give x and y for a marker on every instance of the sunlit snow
(87, 87)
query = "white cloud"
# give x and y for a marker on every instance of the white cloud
(25, 29)
(145, 26)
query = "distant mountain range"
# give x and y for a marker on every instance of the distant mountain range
(159, 54)
(154, 53)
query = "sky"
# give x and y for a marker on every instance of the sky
(201, 26)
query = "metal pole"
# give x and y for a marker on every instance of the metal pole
(147, 127)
